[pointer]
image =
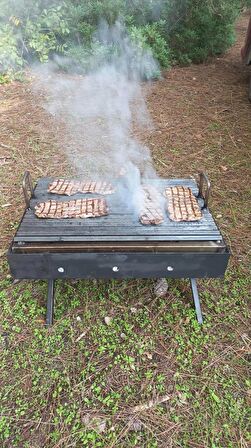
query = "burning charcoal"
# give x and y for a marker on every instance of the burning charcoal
(80, 208)
(71, 187)
(182, 205)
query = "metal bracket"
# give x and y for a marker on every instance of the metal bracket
(50, 304)
(196, 299)
(27, 187)
(203, 179)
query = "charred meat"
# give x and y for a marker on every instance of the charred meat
(182, 204)
(79, 208)
(151, 213)
(71, 187)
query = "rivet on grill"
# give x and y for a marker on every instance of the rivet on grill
(115, 269)
(61, 270)
(170, 268)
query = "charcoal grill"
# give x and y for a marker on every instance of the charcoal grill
(117, 245)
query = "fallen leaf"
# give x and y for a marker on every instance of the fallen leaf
(95, 423)
(223, 168)
(161, 287)
(108, 320)
(133, 310)
(151, 404)
(81, 336)
(135, 425)
(16, 281)
(215, 397)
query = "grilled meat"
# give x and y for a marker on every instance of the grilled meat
(182, 204)
(79, 208)
(71, 187)
(151, 213)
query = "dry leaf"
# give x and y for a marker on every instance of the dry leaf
(151, 404)
(81, 336)
(133, 310)
(161, 287)
(108, 320)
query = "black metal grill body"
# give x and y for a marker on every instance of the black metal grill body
(118, 265)
(115, 246)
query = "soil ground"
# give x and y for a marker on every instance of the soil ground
(79, 383)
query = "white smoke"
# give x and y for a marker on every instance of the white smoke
(100, 109)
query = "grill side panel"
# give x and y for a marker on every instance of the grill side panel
(117, 265)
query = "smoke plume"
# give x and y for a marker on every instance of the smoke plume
(100, 108)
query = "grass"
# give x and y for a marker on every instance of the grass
(78, 383)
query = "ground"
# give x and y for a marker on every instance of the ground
(152, 377)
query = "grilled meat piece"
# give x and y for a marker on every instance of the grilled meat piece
(182, 205)
(151, 213)
(79, 208)
(69, 187)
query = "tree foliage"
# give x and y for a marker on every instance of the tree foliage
(180, 31)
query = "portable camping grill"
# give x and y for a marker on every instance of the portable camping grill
(116, 245)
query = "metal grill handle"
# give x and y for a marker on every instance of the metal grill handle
(27, 186)
(203, 180)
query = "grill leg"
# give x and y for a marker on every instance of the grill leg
(50, 303)
(196, 299)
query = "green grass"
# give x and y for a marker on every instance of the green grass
(77, 384)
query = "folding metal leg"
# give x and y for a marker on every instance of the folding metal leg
(50, 303)
(196, 299)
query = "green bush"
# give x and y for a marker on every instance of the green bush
(204, 29)
(149, 36)
(10, 56)
(177, 31)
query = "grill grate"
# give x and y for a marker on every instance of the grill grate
(120, 225)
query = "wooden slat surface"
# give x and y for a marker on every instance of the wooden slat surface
(120, 225)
